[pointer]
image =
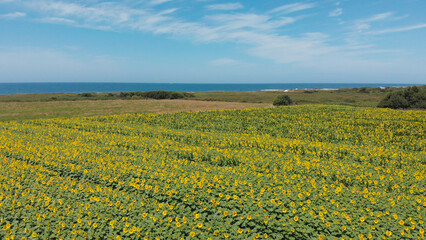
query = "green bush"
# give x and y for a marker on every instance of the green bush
(163, 95)
(411, 97)
(155, 95)
(282, 100)
(86, 94)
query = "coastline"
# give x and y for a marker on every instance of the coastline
(98, 87)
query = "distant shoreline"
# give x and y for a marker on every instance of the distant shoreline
(97, 87)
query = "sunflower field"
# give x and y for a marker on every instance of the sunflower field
(300, 172)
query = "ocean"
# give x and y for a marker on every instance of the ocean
(62, 87)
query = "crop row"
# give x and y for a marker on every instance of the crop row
(309, 172)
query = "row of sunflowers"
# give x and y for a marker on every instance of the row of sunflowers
(302, 172)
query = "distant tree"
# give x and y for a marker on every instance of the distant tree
(282, 100)
(411, 97)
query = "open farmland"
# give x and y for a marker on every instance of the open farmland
(303, 172)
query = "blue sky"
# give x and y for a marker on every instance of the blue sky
(212, 41)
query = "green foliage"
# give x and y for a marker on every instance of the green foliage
(310, 91)
(156, 95)
(411, 97)
(165, 95)
(368, 90)
(86, 94)
(282, 100)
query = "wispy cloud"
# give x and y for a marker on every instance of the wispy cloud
(258, 35)
(294, 7)
(56, 20)
(13, 15)
(285, 49)
(335, 13)
(248, 21)
(377, 17)
(225, 6)
(102, 13)
(224, 62)
(168, 11)
(258, 32)
(158, 2)
(399, 29)
(365, 23)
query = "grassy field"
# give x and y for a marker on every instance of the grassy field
(298, 172)
(21, 110)
(32, 106)
(298, 97)
(352, 97)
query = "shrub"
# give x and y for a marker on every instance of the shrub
(160, 95)
(411, 97)
(86, 94)
(282, 100)
(155, 95)
(310, 91)
(363, 90)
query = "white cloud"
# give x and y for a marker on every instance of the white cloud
(335, 13)
(90, 16)
(168, 11)
(294, 7)
(364, 24)
(248, 21)
(259, 33)
(378, 17)
(285, 49)
(224, 62)
(400, 29)
(13, 15)
(56, 20)
(225, 6)
(158, 2)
